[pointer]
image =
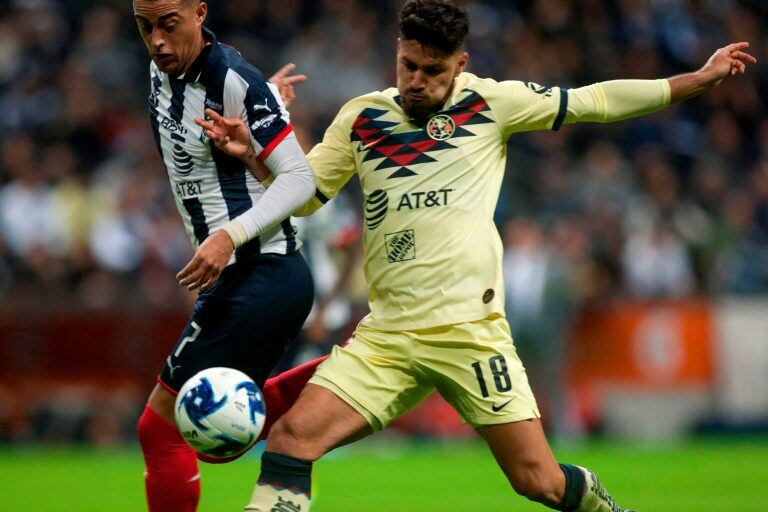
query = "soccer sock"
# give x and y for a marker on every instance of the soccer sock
(584, 492)
(284, 484)
(172, 479)
(281, 392)
(575, 485)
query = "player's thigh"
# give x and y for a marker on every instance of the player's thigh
(244, 321)
(374, 375)
(319, 422)
(162, 402)
(475, 367)
(524, 455)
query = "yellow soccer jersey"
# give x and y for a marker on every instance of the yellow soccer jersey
(433, 255)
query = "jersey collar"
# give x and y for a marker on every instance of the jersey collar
(450, 102)
(205, 64)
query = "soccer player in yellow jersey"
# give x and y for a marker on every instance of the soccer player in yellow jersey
(430, 156)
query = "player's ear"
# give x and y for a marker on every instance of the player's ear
(463, 61)
(201, 12)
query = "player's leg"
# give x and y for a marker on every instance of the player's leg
(475, 367)
(282, 391)
(319, 422)
(242, 322)
(172, 478)
(358, 390)
(522, 451)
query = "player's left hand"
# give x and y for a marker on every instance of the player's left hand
(210, 259)
(729, 60)
(285, 82)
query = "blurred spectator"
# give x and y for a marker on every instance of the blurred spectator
(656, 264)
(539, 305)
(73, 79)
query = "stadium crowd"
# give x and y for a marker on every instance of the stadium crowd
(671, 205)
(667, 206)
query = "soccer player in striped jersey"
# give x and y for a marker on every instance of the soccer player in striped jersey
(430, 155)
(255, 288)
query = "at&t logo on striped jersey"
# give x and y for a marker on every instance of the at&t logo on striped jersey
(182, 161)
(376, 208)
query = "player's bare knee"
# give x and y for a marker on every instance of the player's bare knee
(293, 436)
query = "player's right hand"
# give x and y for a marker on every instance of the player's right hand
(210, 259)
(229, 135)
(729, 60)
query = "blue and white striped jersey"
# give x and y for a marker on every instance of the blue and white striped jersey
(210, 187)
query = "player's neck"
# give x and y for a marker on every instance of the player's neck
(201, 43)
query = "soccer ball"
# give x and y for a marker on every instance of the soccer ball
(220, 412)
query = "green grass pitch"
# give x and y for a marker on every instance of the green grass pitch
(713, 475)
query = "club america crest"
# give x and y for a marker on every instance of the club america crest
(441, 127)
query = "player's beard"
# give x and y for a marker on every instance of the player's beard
(423, 110)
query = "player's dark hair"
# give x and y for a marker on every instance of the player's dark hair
(438, 24)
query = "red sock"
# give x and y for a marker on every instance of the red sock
(172, 479)
(281, 392)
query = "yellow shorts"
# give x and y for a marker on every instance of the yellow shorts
(474, 366)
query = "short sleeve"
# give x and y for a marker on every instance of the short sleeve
(333, 159)
(526, 106)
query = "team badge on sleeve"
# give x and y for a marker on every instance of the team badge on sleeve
(539, 89)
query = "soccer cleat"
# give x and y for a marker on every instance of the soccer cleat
(596, 498)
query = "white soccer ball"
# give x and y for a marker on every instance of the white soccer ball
(220, 412)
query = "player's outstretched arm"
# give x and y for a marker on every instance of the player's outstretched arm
(624, 99)
(730, 60)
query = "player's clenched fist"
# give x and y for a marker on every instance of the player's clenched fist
(209, 261)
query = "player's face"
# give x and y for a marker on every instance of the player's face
(171, 29)
(425, 77)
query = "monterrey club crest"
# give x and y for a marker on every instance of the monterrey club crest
(441, 127)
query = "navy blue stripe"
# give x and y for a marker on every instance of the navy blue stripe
(177, 99)
(193, 206)
(290, 238)
(195, 210)
(156, 130)
(231, 172)
(155, 85)
(322, 197)
(563, 110)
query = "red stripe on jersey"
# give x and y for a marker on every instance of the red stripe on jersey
(275, 142)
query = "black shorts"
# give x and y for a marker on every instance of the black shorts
(245, 320)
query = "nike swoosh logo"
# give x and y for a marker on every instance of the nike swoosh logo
(376, 142)
(500, 407)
